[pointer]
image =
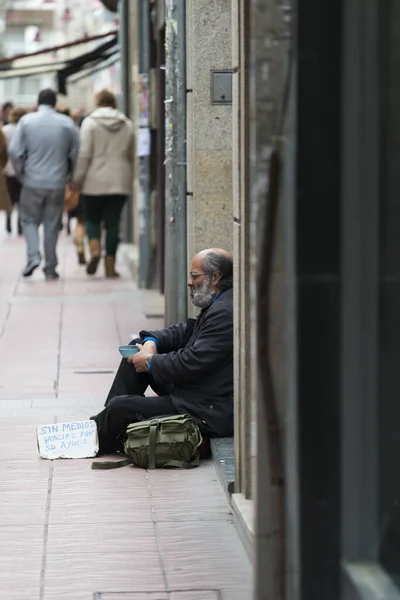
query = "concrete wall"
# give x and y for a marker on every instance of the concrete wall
(209, 136)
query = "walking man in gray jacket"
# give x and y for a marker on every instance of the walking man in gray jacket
(43, 151)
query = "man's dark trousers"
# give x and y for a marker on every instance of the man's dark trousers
(126, 403)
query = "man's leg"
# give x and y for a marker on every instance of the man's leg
(52, 213)
(79, 238)
(129, 383)
(112, 217)
(31, 209)
(113, 420)
(113, 207)
(92, 207)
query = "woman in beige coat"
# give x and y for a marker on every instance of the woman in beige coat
(104, 176)
(5, 203)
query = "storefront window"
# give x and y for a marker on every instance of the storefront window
(389, 296)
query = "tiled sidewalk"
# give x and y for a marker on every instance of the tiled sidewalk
(66, 531)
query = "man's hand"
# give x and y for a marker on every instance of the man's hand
(75, 186)
(139, 360)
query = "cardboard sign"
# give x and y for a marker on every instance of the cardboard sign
(77, 439)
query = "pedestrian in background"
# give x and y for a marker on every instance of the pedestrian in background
(5, 111)
(64, 110)
(77, 117)
(104, 175)
(73, 201)
(70, 201)
(5, 203)
(13, 183)
(43, 151)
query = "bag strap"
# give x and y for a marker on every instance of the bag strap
(152, 444)
(181, 464)
(109, 464)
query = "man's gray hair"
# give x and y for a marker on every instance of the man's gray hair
(221, 264)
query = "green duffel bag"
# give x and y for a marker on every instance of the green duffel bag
(172, 441)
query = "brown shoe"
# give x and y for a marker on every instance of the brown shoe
(109, 263)
(95, 255)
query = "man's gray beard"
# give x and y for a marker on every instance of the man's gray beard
(203, 295)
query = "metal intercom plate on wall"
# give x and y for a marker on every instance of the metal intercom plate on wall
(221, 86)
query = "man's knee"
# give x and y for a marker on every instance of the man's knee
(126, 408)
(118, 404)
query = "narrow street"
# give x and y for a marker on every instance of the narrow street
(66, 531)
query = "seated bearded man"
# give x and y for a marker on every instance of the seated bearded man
(189, 366)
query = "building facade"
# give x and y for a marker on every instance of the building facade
(76, 20)
(297, 172)
(326, 496)
(270, 128)
(31, 26)
(26, 27)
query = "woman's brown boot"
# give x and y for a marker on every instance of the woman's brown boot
(95, 255)
(109, 263)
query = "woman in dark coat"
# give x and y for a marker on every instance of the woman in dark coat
(76, 212)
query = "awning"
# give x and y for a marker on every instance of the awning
(30, 71)
(86, 63)
(85, 40)
(88, 60)
(112, 61)
(112, 5)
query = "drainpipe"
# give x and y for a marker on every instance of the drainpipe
(175, 163)
(123, 35)
(144, 200)
(123, 39)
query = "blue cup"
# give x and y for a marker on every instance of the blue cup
(127, 351)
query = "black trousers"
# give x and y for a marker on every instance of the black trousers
(126, 403)
(14, 188)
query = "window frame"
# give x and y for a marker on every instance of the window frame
(362, 576)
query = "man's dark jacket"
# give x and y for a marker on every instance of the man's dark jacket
(195, 364)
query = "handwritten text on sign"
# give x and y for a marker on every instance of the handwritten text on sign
(77, 439)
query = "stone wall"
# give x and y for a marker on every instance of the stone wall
(209, 135)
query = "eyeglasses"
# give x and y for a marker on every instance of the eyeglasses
(194, 276)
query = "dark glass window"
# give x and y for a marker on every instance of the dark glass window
(389, 292)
